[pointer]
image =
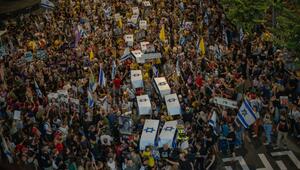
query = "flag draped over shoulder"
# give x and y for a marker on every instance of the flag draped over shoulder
(246, 115)
(101, 79)
(91, 101)
(113, 70)
(37, 90)
(213, 121)
(162, 35)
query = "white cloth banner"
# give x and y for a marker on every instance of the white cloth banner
(162, 87)
(225, 102)
(148, 137)
(168, 134)
(173, 105)
(144, 105)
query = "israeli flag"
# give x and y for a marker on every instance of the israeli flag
(173, 105)
(181, 40)
(213, 121)
(218, 53)
(155, 71)
(144, 105)
(161, 86)
(47, 4)
(241, 35)
(168, 134)
(225, 37)
(206, 18)
(113, 70)
(246, 115)
(178, 68)
(126, 55)
(101, 79)
(37, 90)
(148, 137)
(90, 100)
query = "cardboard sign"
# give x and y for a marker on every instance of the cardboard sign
(28, 56)
(284, 100)
(138, 56)
(150, 48)
(136, 11)
(143, 24)
(41, 54)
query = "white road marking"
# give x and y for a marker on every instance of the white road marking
(290, 154)
(228, 168)
(281, 165)
(264, 160)
(240, 159)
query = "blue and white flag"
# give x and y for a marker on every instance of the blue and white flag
(37, 90)
(167, 134)
(107, 12)
(246, 115)
(113, 70)
(213, 121)
(126, 55)
(155, 71)
(148, 137)
(206, 18)
(178, 72)
(91, 101)
(241, 35)
(101, 79)
(47, 4)
(218, 53)
(225, 37)
(181, 40)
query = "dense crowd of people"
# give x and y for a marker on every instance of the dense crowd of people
(79, 37)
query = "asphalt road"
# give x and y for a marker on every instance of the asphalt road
(255, 156)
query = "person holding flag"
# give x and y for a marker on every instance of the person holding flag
(101, 78)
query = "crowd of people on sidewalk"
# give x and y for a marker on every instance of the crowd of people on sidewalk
(58, 111)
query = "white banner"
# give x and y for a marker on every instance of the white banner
(225, 102)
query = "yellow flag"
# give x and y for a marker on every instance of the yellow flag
(162, 35)
(201, 46)
(91, 55)
(120, 24)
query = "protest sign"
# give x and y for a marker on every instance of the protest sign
(143, 24)
(140, 35)
(75, 105)
(125, 125)
(225, 102)
(135, 11)
(147, 3)
(134, 19)
(63, 96)
(129, 39)
(17, 115)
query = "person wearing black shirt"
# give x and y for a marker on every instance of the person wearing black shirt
(183, 163)
(282, 129)
(231, 140)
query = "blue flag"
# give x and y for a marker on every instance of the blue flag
(37, 90)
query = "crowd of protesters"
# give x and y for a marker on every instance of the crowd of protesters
(49, 135)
